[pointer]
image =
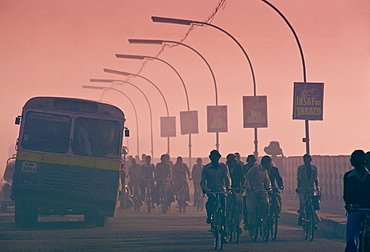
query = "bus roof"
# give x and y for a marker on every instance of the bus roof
(74, 106)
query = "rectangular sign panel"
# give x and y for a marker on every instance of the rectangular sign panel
(168, 126)
(308, 101)
(254, 111)
(189, 122)
(217, 118)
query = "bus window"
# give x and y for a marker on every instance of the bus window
(96, 138)
(46, 132)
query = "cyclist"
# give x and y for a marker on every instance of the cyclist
(196, 174)
(134, 174)
(307, 176)
(237, 180)
(251, 161)
(215, 178)
(179, 174)
(162, 175)
(147, 174)
(257, 183)
(356, 194)
(276, 180)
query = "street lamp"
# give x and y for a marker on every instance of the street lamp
(140, 76)
(190, 22)
(146, 98)
(307, 138)
(141, 57)
(161, 42)
(133, 105)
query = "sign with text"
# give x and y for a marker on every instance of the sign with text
(254, 111)
(168, 126)
(308, 101)
(189, 122)
(217, 118)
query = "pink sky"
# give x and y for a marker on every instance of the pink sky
(52, 48)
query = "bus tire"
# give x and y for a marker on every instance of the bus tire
(25, 214)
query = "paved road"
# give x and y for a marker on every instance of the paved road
(130, 231)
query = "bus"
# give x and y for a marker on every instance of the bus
(68, 159)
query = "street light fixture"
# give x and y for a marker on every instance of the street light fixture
(133, 105)
(190, 22)
(162, 42)
(307, 138)
(141, 57)
(140, 76)
(146, 98)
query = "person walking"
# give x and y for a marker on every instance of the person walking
(196, 174)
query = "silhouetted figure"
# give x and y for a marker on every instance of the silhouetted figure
(196, 174)
(356, 194)
(251, 161)
(307, 176)
(215, 178)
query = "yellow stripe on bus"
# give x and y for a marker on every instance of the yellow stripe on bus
(106, 164)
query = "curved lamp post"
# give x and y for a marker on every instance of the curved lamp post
(137, 75)
(190, 22)
(141, 57)
(161, 42)
(133, 105)
(307, 138)
(146, 98)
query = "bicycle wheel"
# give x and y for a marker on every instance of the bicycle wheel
(264, 228)
(312, 225)
(148, 201)
(253, 231)
(274, 225)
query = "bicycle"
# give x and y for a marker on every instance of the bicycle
(308, 215)
(163, 189)
(198, 196)
(363, 239)
(136, 197)
(262, 222)
(233, 213)
(218, 220)
(274, 212)
(147, 193)
(182, 195)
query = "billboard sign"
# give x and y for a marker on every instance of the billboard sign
(168, 126)
(189, 122)
(254, 111)
(217, 118)
(308, 101)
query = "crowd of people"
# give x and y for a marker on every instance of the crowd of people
(256, 182)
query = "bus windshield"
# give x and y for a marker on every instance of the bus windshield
(46, 132)
(96, 138)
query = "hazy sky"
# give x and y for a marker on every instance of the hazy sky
(52, 48)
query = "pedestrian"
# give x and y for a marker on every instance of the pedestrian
(215, 178)
(196, 174)
(356, 194)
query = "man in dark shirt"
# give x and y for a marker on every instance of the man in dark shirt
(276, 181)
(215, 178)
(356, 194)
